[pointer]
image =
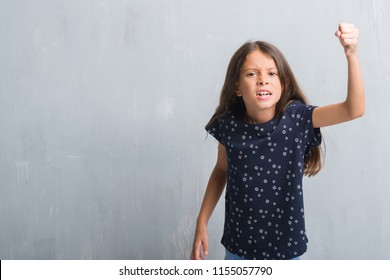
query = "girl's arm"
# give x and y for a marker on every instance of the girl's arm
(354, 105)
(214, 190)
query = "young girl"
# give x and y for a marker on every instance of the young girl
(268, 139)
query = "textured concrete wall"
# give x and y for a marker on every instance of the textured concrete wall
(102, 108)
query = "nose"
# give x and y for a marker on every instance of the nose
(262, 80)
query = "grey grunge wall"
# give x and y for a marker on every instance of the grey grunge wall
(103, 152)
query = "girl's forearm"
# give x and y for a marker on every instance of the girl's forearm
(355, 95)
(213, 192)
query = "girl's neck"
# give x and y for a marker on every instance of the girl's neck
(259, 118)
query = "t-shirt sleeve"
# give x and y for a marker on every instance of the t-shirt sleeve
(303, 118)
(215, 130)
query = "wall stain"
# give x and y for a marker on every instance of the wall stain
(22, 177)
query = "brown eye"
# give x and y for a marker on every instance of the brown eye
(251, 74)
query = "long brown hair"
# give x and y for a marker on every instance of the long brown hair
(291, 91)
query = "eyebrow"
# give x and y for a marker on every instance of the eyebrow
(250, 68)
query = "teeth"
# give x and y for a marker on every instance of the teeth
(263, 93)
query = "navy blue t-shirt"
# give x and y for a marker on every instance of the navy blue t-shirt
(264, 213)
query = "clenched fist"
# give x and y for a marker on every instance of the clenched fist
(348, 35)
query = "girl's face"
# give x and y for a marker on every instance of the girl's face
(259, 86)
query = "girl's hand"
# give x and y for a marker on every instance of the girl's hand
(348, 35)
(200, 240)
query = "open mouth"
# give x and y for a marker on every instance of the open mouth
(263, 93)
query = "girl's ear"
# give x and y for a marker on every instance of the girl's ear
(238, 92)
